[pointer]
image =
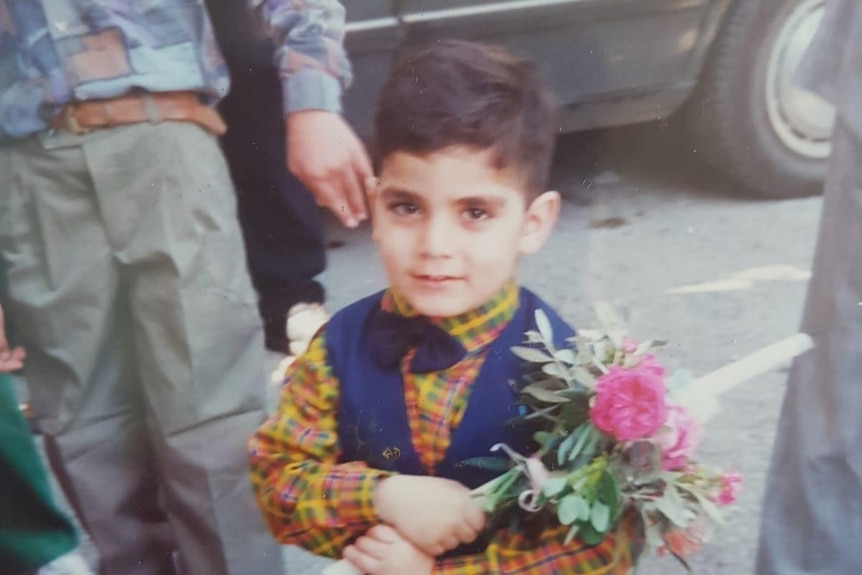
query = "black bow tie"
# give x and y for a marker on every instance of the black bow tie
(392, 335)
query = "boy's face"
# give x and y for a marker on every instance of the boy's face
(449, 227)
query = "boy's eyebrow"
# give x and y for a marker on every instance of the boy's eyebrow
(488, 200)
(395, 193)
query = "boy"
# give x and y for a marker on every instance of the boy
(363, 457)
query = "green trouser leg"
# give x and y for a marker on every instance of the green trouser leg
(33, 531)
(128, 284)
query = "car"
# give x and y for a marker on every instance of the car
(721, 69)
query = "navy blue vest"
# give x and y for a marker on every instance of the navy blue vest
(372, 416)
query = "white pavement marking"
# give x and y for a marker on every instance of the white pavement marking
(700, 397)
(746, 279)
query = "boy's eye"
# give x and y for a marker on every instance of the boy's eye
(404, 208)
(476, 214)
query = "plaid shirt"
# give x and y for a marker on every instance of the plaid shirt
(310, 500)
(54, 51)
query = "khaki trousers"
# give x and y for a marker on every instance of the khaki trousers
(129, 288)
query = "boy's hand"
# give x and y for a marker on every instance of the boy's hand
(433, 513)
(383, 551)
(10, 359)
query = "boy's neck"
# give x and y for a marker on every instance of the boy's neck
(473, 328)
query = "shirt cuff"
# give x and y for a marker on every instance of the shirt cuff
(354, 492)
(311, 89)
(463, 565)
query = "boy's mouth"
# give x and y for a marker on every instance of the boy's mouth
(434, 279)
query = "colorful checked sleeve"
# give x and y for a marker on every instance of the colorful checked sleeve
(307, 498)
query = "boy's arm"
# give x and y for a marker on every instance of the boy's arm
(306, 497)
(513, 554)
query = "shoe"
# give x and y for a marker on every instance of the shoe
(303, 321)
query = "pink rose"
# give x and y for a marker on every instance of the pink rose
(630, 403)
(649, 363)
(629, 345)
(731, 483)
(678, 438)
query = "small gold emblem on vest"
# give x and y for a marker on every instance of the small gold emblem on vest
(391, 453)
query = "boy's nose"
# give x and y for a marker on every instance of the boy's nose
(437, 238)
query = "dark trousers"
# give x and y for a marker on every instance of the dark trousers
(280, 221)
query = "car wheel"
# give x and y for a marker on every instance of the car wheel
(747, 116)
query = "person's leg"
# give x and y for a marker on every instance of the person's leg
(84, 391)
(171, 211)
(812, 509)
(280, 220)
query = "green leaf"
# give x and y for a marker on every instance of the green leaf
(544, 325)
(653, 534)
(573, 532)
(585, 434)
(710, 508)
(566, 355)
(554, 486)
(566, 446)
(600, 350)
(488, 462)
(534, 337)
(600, 516)
(555, 370)
(531, 354)
(608, 492)
(589, 535)
(644, 347)
(569, 509)
(543, 438)
(583, 376)
(536, 414)
(617, 336)
(543, 394)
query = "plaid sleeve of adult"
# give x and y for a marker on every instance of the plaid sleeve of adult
(514, 554)
(306, 497)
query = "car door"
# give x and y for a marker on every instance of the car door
(371, 39)
(606, 60)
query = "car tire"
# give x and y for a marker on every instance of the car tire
(745, 118)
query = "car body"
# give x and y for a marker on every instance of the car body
(617, 62)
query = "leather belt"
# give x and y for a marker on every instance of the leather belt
(80, 117)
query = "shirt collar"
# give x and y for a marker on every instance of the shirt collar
(473, 329)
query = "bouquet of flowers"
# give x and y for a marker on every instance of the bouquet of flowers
(617, 436)
(613, 440)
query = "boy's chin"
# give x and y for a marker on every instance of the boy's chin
(441, 306)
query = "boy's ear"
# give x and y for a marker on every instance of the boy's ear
(541, 215)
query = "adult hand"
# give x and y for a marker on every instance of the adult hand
(383, 551)
(10, 359)
(327, 156)
(434, 514)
